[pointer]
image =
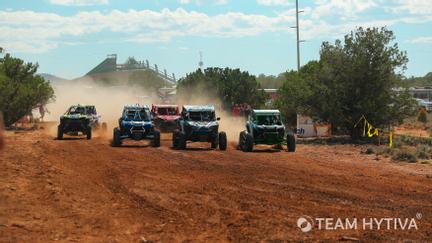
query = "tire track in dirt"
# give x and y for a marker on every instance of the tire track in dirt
(80, 190)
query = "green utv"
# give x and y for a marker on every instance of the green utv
(266, 127)
(80, 119)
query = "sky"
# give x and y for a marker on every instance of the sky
(68, 38)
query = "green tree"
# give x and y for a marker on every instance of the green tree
(351, 79)
(230, 86)
(21, 90)
(271, 82)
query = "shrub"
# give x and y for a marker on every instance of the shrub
(404, 155)
(422, 116)
(397, 143)
(386, 151)
(423, 152)
(369, 151)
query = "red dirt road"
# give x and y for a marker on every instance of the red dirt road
(87, 191)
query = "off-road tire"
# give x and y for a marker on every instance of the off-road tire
(240, 141)
(175, 136)
(223, 141)
(59, 132)
(248, 143)
(291, 142)
(89, 132)
(182, 141)
(116, 137)
(156, 139)
(215, 141)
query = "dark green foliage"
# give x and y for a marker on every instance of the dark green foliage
(422, 116)
(20, 89)
(424, 152)
(419, 81)
(351, 79)
(271, 82)
(231, 86)
(414, 141)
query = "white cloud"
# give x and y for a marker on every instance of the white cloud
(414, 6)
(200, 2)
(273, 2)
(422, 40)
(21, 28)
(346, 8)
(29, 31)
(78, 2)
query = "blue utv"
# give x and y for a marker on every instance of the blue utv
(136, 123)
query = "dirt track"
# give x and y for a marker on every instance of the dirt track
(86, 191)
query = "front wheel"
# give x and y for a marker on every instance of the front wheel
(182, 141)
(246, 142)
(156, 139)
(116, 137)
(89, 132)
(291, 143)
(223, 141)
(175, 139)
(59, 133)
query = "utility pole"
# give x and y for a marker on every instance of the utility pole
(297, 27)
(298, 37)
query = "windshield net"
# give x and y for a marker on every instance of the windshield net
(269, 120)
(76, 110)
(167, 111)
(202, 116)
(137, 115)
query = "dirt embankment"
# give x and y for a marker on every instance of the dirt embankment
(86, 191)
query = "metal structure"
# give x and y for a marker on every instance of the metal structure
(201, 63)
(110, 65)
(297, 27)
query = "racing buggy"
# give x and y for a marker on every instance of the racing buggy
(136, 123)
(80, 119)
(199, 124)
(165, 117)
(265, 127)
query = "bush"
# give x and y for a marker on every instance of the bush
(397, 143)
(423, 152)
(422, 116)
(369, 151)
(403, 155)
(385, 151)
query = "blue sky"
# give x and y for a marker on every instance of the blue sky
(69, 37)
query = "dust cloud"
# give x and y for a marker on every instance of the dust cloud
(109, 102)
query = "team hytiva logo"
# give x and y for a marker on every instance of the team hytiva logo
(306, 223)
